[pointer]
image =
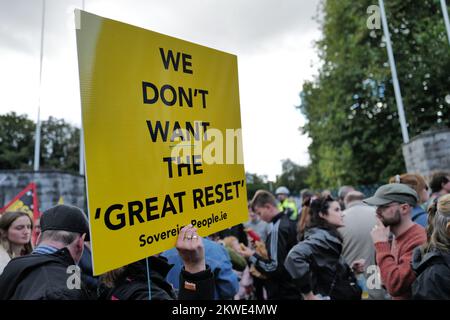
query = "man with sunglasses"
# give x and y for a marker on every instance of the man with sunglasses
(394, 203)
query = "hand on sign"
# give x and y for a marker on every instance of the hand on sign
(190, 247)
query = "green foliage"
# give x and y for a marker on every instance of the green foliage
(59, 143)
(350, 106)
(16, 141)
(293, 177)
(256, 182)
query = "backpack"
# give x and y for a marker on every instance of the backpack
(344, 285)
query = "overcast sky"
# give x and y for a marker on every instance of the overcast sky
(273, 40)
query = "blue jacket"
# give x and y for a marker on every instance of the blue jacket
(218, 259)
(419, 216)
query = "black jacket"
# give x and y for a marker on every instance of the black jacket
(282, 237)
(133, 284)
(316, 265)
(41, 277)
(433, 275)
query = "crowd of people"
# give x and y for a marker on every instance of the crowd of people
(394, 244)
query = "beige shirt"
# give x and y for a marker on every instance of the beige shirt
(359, 220)
(4, 258)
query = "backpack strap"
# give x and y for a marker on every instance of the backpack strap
(417, 215)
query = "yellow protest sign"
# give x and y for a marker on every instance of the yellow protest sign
(163, 143)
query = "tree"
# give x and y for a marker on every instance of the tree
(350, 106)
(292, 177)
(60, 145)
(256, 182)
(16, 141)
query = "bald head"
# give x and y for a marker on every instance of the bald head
(353, 196)
(343, 191)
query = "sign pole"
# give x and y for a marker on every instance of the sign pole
(148, 280)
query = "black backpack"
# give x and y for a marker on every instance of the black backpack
(344, 285)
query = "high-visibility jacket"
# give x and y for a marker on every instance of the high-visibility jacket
(290, 207)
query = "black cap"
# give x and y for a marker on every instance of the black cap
(66, 218)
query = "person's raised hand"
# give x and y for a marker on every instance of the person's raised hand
(190, 248)
(380, 233)
(245, 251)
(358, 265)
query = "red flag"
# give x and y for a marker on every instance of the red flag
(25, 201)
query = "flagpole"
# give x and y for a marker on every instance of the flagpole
(446, 21)
(37, 142)
(398, 95)
(82, 135)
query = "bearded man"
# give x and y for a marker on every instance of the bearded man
(394, 203)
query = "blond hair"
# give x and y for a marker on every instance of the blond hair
(229, 241)
(440, 236)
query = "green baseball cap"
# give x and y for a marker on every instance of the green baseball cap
(393, 192)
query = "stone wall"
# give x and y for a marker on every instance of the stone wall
(428, 152)
(51, 185)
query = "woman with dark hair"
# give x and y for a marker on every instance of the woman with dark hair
(15, 236)
(440, 185)
(307, 198)
(316, 264)
(431, 262)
